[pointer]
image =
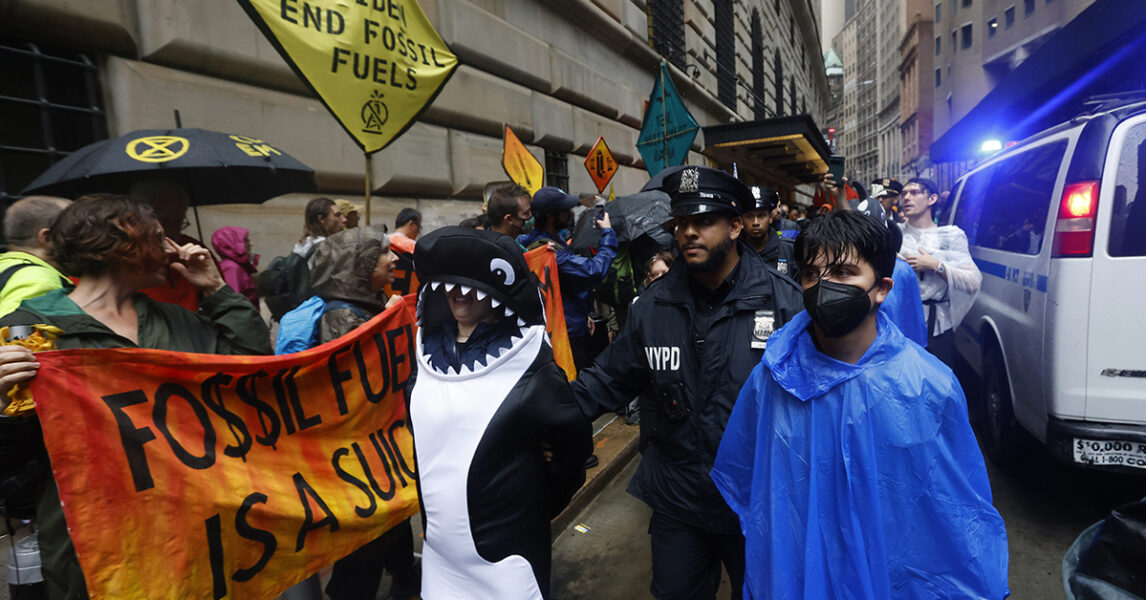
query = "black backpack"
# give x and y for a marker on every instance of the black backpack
(286, 283)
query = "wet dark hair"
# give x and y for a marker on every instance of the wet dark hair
(503, 201)
(100, 232)
(406, 215)
(839, 234)
(316, 211)
(478, 222)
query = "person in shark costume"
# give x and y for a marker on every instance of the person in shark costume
(499, 441)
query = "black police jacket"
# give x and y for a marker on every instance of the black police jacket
(777, 249)
(690, 379)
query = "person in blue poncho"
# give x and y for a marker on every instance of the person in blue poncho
(848, 456)
(903, 303)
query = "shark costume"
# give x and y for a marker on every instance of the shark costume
(482, 412)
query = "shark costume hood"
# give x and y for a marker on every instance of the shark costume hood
(481, 412)
(490, 265)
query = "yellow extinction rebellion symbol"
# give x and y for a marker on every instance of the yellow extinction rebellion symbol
(157, 148)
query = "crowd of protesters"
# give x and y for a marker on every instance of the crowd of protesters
(795, 412)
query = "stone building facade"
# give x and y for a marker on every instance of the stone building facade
(917, 90)
(559, 72)
(978, 43)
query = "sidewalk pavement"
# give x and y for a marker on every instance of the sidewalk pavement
(614, 444)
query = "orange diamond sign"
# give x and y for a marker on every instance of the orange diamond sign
(601, 164)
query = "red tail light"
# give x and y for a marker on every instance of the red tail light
(1074, 228)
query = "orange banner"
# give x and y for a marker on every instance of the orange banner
(543, 262)
(203, 476)
(405, 279)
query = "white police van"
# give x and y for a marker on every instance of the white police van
(1057, 334)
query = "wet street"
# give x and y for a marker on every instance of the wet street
(1045, 506)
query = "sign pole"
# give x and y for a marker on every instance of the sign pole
(369, 185)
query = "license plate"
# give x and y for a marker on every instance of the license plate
(1110, 452)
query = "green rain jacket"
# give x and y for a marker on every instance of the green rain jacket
(226, 323)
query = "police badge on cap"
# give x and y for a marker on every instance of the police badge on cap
(696, 190)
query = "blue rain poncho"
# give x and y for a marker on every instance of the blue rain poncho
(859, 481)
(904, 305)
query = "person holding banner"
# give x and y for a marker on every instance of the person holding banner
(499, 440)
(117, 247)
(579, 275)
(351, 267)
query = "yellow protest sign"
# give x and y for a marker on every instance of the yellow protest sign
(375, 64)
(520, 164)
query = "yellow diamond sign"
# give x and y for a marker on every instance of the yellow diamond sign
(375, 64)
(520, 164)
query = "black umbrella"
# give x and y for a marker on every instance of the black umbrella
(216, 168)
(643, 213)
(658, 180)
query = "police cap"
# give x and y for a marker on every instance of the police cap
(892, 186)
(696, 190)
(762, 199)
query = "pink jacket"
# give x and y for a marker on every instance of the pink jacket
(237, 267)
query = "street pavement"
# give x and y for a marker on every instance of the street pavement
(1045, 505)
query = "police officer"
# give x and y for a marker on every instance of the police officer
(773, 247)
(890, 198)
(692, 339)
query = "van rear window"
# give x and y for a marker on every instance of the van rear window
(1128, 221)
(1018, 200)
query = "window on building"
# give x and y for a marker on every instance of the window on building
(992, 27)
(778, 73)
(938, 12)
(725, 55)
(953, 40)
(966, 3)
(966, 32)
(1009, 18)
(791, 29)
(557, 169)
(758, 109)
(50, 105)
(1028, 7)
(938, 77)
(666, 29)
(938, 46)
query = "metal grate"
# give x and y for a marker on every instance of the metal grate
(50, 106)
(725, 53)
(666, 29)
(557, 169)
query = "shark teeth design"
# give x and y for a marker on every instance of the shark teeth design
(480, 295)
(509, 311)
(494, 302)
(520, 322)
(434, 285)
(449, 287)
(466, 290)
